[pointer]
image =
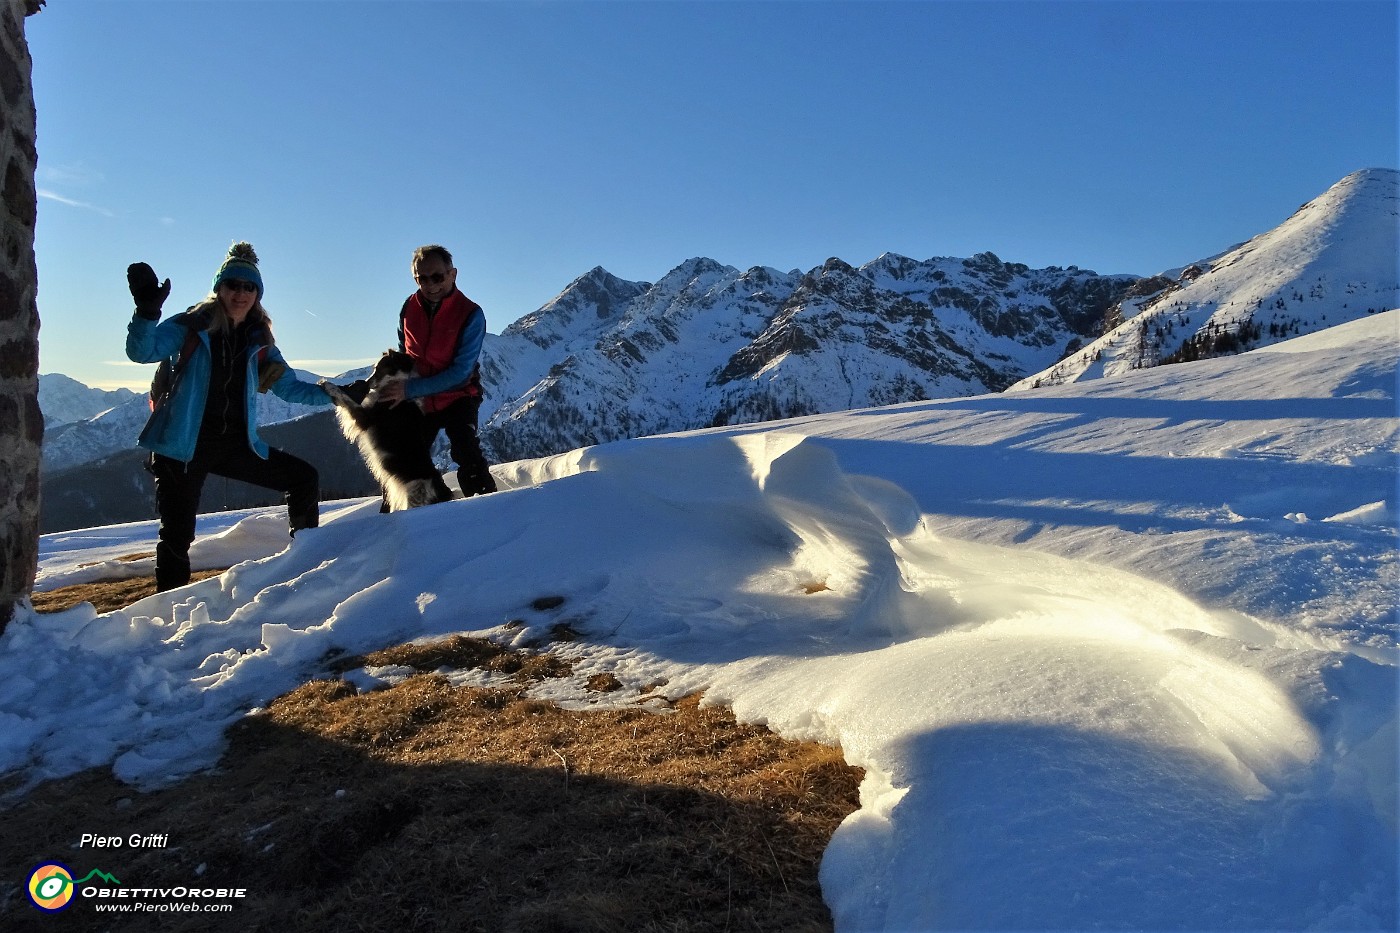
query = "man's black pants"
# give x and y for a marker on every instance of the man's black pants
(179, 485)
(458, 420)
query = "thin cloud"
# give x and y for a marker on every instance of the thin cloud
(336, 366)
(331, 366)
(71, 175)
(51, 196)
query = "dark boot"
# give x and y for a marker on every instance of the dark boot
(172, 567)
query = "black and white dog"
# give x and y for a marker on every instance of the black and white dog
(390, 437)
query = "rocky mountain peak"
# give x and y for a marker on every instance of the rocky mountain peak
(588, 302)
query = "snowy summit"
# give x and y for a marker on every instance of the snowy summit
(1333, 261)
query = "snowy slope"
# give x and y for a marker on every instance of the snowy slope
(1119, 655)
(1335, 260)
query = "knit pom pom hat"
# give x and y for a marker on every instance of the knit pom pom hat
(241, 264)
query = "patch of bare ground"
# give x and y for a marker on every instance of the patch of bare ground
(426, 806)
(105, 595)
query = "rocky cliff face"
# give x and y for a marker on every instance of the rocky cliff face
(21, 423)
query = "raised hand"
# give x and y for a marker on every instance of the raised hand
(147, 290)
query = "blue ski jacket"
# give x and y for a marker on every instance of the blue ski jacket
(173, 428)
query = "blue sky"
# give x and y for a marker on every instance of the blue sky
(538, 140)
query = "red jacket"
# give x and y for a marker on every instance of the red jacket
(444, 348)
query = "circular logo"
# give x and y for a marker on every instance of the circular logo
(51, 887)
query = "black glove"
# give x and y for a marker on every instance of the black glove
(148, 293)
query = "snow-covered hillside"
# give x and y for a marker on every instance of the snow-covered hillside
(1335, 260)
(1115, 655)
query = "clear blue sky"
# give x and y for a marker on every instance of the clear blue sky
(538, 140)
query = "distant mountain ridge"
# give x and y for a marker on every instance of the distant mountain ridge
(64, 400)
(709, 344)
(110, 431)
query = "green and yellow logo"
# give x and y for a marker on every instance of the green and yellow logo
(51, 885)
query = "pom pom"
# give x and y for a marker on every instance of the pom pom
(243, 252)
(241, 264)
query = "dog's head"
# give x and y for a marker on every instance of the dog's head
(394, 364)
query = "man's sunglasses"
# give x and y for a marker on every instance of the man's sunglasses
(238, 285)
(437, 278)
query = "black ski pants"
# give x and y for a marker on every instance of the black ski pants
(179, 485)
(458, 420)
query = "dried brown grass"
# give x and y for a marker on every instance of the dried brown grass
(106, 595)
(426, 806)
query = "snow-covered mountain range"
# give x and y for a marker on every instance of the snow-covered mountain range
(712, 345)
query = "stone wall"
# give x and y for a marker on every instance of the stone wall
(21, 423)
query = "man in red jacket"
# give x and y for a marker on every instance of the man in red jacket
(443, 329)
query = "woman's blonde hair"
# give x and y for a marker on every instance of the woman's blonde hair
(212, 309)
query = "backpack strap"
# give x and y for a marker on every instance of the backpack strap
(268, 372)
(186, 348)
(168, 374)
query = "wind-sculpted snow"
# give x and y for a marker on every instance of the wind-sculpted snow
(753, 568)
(784, 552)
(1124, 722)
(1101, 671)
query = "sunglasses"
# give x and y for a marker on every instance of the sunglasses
(238, 285)
(437, 278)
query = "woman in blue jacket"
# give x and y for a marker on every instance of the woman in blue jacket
(218, 355)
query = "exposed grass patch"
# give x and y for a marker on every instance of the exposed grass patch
(460, 651)
(106, 595)
(426, 806)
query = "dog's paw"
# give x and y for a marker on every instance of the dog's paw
(337, 394)
(419, 493)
